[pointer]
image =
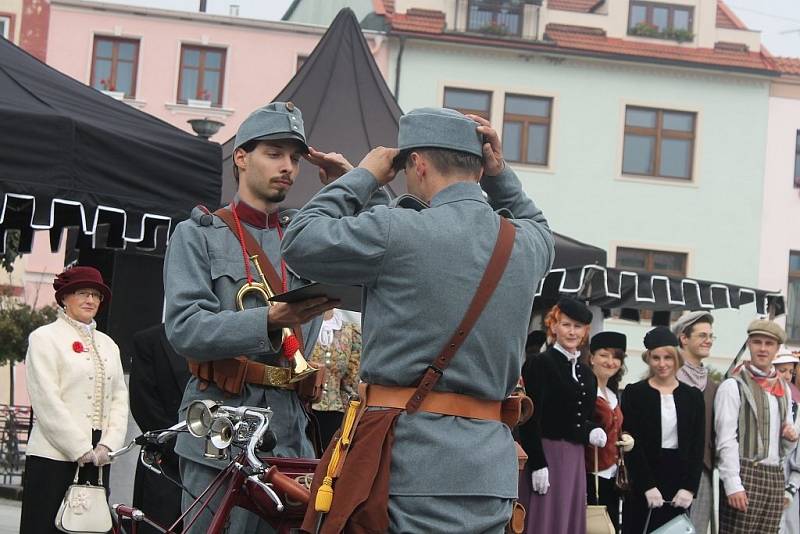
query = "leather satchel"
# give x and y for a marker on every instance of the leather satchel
(597, 518)
(84, 509)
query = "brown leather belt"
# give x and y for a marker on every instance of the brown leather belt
(268, 375)
(435, 402)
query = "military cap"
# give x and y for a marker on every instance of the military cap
(767, 328)
(608, 340)
(275, 121)
(687, 320)
(660, 336)
(439, 128)
(575, 310)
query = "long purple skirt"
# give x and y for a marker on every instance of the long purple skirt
(562, 510)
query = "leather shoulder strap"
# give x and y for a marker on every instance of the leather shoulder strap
(491, 277)
(253, 247)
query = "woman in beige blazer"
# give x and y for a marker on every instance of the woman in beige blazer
(78, 395)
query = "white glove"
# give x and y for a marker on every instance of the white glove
(626, 441)
(654, 498)
(87, 458)
(101, 455)
(682, 499)
(598, 438)
(540, 480)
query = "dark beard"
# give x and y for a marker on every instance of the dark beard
(276, 197)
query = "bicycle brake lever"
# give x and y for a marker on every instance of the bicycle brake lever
(268, 490)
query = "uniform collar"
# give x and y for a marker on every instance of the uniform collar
(458, 191)
(571, 356)
(253, 216)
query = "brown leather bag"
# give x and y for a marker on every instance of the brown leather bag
(310, 388)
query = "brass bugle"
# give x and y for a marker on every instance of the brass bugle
(301, 368)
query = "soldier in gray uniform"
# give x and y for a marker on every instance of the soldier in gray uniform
(420, 270)
(204, 268)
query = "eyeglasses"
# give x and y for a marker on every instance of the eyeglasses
(706, 337)
(86, 293)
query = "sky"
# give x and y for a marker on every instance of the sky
(778, 20)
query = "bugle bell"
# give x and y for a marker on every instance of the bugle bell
(262, 290)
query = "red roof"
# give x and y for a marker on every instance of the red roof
(577, 38)
(787, 65)
(582, 6)
(419, 21)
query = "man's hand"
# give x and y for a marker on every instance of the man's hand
(286, 314)
(788, 432)
(331, 165)
(493, 162)
(738, 501)
(379, 163)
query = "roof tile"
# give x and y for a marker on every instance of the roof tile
(726, 18)
(582, 6)
(788, 65)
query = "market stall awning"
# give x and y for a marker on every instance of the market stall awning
(72, 157)
(346, 107)
(607, 287)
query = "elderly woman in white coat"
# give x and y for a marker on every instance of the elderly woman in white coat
(79, 397)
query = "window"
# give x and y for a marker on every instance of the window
(658, 143)
(5, 27)
(665, 21)
(793, 298)
(114, 65)
(495, 17)
(202, 73)
(526, 129)
(469, 101)
(654, 261)
(797, 160)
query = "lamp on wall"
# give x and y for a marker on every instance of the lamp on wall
(205, 127)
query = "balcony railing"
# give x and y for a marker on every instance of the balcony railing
(496, 17)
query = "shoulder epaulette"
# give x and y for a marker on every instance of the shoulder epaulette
(202, 215)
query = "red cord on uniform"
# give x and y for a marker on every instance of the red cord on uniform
(290, 345)
(241, 242)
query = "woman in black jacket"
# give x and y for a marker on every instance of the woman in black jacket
(666, 418)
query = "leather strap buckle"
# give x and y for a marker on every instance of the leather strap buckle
(276, 376)
(436, 370)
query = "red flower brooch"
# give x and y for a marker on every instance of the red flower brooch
(78, 347)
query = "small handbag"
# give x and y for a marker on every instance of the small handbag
(84, 509)
(681, 524)
(621, 480)
(597, 518)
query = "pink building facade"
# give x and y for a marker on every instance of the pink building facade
(181, 65)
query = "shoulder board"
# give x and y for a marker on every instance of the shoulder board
(202, 216)
(505, 212)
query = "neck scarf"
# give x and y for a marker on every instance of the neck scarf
(572, 357)
(329, 327)
(769, 382)
(694, 375)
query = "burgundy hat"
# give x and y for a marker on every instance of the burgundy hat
(80, 277)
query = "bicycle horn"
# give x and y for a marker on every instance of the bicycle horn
(200, 416)
(221, 432)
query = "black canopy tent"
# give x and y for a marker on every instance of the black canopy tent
(346, 107)
(115, 177)
(71, 156)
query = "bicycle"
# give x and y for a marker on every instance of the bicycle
(276, 489)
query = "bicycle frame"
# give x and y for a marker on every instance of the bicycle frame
(264, 486)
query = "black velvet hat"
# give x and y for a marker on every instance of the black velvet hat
(660, 336)
(608, 340)
(575, 310)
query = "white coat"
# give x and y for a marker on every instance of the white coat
(61, 388)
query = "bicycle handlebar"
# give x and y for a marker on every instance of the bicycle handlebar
(293, 491)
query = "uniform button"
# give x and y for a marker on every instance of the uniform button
(579, 414)
(91, 377)
(581, 383)
(260, 343)
(578, 426)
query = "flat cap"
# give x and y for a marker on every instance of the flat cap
(439, 128)
(767, 328)
(575, 310)
(275, 121)
(688, 319)
(608, 340)
(660, 336)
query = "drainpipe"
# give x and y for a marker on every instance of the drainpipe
(397, 69)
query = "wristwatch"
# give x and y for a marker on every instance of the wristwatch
(791, 489)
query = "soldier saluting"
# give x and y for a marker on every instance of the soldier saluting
(208, 261)
(438, 459)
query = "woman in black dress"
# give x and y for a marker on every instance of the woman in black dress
(666, 418)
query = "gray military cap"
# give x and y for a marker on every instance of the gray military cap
(439, 128)
(275, 121)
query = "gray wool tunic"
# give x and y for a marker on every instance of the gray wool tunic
(420, 271)
(203, 271)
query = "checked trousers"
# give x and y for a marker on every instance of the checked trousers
(764, 486)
